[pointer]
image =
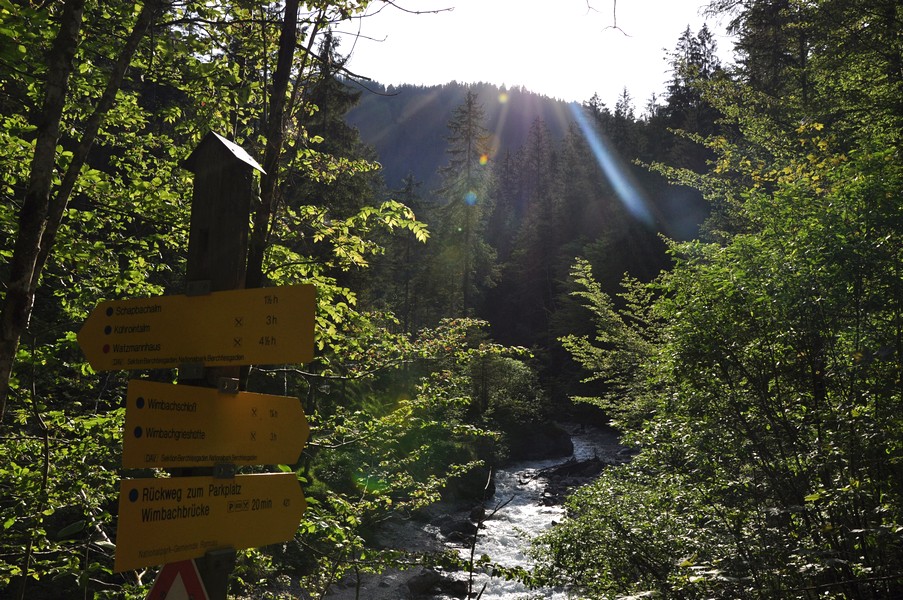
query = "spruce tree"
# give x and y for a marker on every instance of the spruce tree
(466, 257)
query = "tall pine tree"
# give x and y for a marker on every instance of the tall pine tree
(466, 259)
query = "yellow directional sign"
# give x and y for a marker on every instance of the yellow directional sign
(165, 520)
(236, 327)
(184, 426)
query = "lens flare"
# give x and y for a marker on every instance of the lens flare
(484, 159)
(470, 198)
(503, 97)
(625, 186)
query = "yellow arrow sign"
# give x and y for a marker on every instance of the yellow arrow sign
(236, 327)
(172, 519)
(184, 426)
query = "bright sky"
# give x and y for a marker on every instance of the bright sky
(565, 49)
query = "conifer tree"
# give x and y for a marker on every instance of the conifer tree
(400, 280)
(466, 257)
(505, 215)
(694, 64)
(621, 130)
(530, 269)
(772, 44)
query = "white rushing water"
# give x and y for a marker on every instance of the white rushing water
(521, 515)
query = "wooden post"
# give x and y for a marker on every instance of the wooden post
(217, 255)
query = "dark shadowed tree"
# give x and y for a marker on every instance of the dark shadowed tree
(465, 257)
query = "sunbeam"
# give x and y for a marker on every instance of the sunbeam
(625, 186)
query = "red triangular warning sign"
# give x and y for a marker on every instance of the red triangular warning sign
(178, 581)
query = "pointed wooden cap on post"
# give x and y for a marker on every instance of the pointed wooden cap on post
(216, 140)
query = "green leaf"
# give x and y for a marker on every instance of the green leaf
(71, 529)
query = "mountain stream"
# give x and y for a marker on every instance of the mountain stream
(527, 501)
(525, 508)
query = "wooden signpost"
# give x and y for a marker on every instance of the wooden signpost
(207, 427)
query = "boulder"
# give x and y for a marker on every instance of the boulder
(562, 479)
(539, 441)
(477, 513)
(423, 582)
(455, 528)
(581, 469)
(456, 588)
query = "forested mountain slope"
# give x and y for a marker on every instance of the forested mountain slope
(553, 177)
(408, 124)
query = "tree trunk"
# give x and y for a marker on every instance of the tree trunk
(19, 300)
(41, 214)
(288, 39)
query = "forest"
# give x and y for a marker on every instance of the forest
(718, 275)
